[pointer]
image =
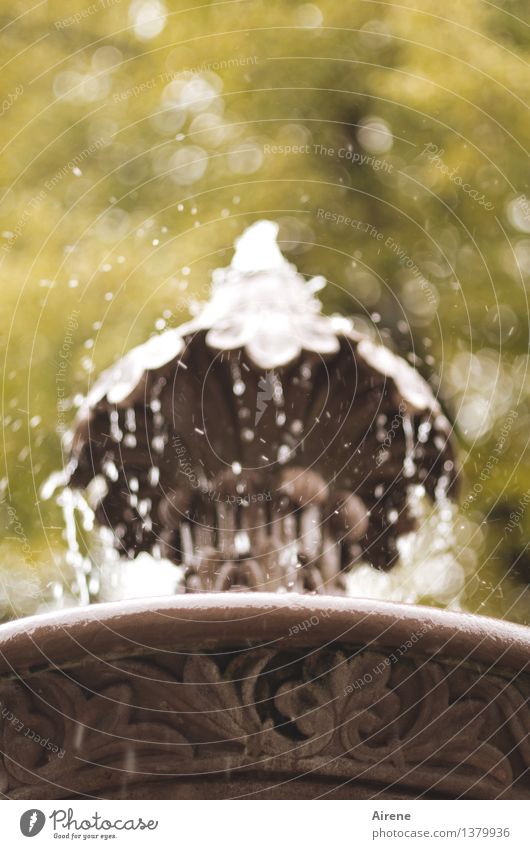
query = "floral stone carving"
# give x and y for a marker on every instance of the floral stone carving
(344, 720)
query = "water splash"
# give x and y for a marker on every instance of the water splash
(260, 303)
(432, 566)
(72, 503)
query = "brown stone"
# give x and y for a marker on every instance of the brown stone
(264, 696)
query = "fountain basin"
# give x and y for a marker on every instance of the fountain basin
(239, 695)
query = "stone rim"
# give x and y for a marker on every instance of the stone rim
(207, 621)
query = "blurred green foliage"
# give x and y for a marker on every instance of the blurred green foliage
(139, 140)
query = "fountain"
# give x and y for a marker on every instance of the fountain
(262, 445)
(247, 478)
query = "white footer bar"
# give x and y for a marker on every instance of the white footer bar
(265, 824)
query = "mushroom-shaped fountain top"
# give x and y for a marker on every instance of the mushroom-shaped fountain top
(262, 445)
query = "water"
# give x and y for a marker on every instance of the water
(429, 569)
(262, 304)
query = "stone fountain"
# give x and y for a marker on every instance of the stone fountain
(275, 461)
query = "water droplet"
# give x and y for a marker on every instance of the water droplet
(409, 467)
(158, 444)
(284, 452)
(154, 475)
(110, 470)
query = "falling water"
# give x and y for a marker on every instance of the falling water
(429, 567)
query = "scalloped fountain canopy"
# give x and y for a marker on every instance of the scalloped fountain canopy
(262, 446)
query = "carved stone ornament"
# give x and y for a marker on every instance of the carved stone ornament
(258, 697)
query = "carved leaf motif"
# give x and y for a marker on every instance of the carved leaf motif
(245, 670)
(110, 733)
(516, 711)
(32, 722)
(140, 716)
(328, 700)
(215, 706)
(91, 730)
(444, 727)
